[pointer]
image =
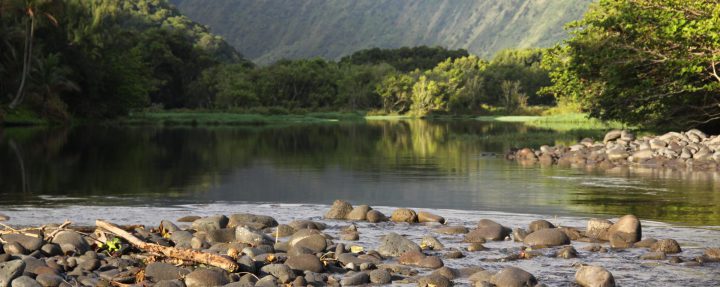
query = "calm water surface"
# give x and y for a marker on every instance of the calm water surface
(415, 163)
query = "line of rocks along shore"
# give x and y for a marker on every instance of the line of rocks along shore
(303, 253)
(692, 149)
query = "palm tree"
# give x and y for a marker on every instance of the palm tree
(32, 8)
(50, 78)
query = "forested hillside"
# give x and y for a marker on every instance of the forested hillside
(266, 31)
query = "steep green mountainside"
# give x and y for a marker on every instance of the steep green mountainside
(268, 30)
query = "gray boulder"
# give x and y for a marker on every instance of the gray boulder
(210, 223)
(547, 238)
(158, 271)
(359, 213)
(305, 262)
(10, 270)
(395, 245)
(25, 281)
(30, 243)
(202, 277)
(514, 277)
(594, 276)
(280, 271)
(240, 219)
(540, 224)
(71, 241)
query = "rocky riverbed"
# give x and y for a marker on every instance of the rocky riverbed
(692, 149)
(353, 245)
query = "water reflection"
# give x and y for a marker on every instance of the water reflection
(442, 164)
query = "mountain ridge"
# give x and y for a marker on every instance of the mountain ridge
(269, 30)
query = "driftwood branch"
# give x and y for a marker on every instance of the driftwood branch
(182, 254)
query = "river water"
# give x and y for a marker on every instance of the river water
(138, 174)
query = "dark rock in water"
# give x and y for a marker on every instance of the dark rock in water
(188, 219)
(71, 241)
(597, 228)
(419, 259)
(540, 224)
(594, 276)
(25, 281)
(571, 233)
(14, 249)
(519, 234)
(280, 271)
(653, 256)
(240, 219)
(359, 278)
(339, 210)
(628, 224)
(4, 217)
(567, 252)
(434, 280)
(547, 238)
(490, 230)
(424, 216)
(359, 213)
(10, 270)
(645, 243)
(395, 245)
(202, 277)
(30, 243)
(209, 223)
(447, 272)
(669, 246)
(49, 280)
(375, 216)
(454, 254)
(158, 271)
(512, 277)
(476, 246)
(380, 276)
(305, 262)
(451, 230)
(404, 215)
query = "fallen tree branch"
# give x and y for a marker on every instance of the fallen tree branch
(182, 254)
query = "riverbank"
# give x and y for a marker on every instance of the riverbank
(691, 150)
(460, 251)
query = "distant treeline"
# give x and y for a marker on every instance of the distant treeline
(377, 80)
(105, 58)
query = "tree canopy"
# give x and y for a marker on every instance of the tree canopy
(648, 62)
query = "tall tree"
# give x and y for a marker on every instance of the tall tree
(651, 62)
(35, 10)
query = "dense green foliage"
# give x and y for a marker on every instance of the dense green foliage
(511, 80)
(102, 58)
(267, 31)
(404, 59)
(651, 62)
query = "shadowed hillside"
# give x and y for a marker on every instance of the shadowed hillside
(267, 30)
